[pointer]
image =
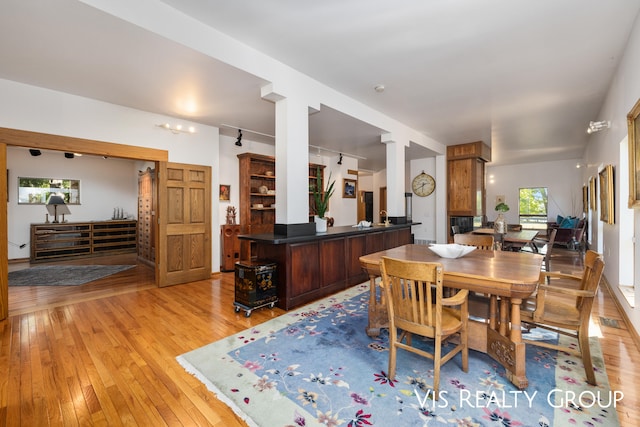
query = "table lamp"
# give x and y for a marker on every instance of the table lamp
(56, 206)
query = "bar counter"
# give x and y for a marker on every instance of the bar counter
(314, 266)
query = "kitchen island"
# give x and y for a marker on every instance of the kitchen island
(314, 266)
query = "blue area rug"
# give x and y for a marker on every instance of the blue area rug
(317, 366)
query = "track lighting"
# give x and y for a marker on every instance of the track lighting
(598, 126)
(177, 129)
(340, 161)
(69, 155)
(239, 140)
(35, 152)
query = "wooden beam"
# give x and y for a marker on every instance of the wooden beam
(23, 138)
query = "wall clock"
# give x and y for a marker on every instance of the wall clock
(423, 184)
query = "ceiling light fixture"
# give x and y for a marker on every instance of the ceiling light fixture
(598, 126)
(177, 129)
(34, 152)
(329, 150)
(247, 130)
(379, 88)
(239, 140)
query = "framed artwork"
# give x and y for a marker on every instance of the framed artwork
(633, 125)
(606, 195)
(585, 199)
(225, 192)
(592, 193)
(349, 188)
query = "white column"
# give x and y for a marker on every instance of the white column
(292, 158)
(442, 226)
(395, 176)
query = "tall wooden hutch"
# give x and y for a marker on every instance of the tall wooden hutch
(466, 195)
(258, 196)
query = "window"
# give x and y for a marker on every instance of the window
(533, 208)
(37, 190)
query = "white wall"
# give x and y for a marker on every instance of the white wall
(104, 185)
(562, 179)
(41, 110)
(424, 208)
(603, 149)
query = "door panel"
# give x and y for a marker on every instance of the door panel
(184, 223)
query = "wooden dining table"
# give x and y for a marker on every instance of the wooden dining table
(517, 238)
(505, 278)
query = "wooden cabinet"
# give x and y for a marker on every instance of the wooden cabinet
(73, 239)
(146, 216)
(230, 246)
(258, 196)
(465, 179)
(318, 266)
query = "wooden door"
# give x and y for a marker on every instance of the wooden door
(383, 203)
(184, 229)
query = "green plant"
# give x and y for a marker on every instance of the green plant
(502, 207)
(321, 197)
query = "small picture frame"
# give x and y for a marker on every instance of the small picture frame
(592, 193)
(225, 192)
(585, 199)
(349, 188)
(606, 195)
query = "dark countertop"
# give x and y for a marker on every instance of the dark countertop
(332, 232)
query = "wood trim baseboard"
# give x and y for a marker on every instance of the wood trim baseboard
(632, 331)
(18, 260)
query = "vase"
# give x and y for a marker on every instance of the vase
(321, 224)
(500, 225)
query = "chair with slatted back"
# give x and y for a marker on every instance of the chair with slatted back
(481, 241)
(416, 305)
(567, 310)
(544, 250)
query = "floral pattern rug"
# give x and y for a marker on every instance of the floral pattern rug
(317, 366)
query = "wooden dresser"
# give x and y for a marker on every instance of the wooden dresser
(53, 241)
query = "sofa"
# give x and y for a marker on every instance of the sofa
(571, 232)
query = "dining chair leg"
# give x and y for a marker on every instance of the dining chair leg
(585, 351)
(393, 350)
(464, 335)
(437, 361)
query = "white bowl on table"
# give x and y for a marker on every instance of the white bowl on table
(451, 250)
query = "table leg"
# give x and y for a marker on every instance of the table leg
(378, 316)
(506, 346)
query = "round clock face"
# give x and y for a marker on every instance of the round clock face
(423, 184)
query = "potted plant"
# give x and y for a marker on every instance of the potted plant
(321, 200)
(500, 225)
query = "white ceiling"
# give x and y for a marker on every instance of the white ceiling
(526, 77)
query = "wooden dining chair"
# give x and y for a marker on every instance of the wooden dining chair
(545, 250)
(416, 305)
(481, 241)
(567, 310)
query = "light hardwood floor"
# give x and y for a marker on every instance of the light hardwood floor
(104, 353)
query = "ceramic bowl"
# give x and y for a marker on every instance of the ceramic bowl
(452, 250)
